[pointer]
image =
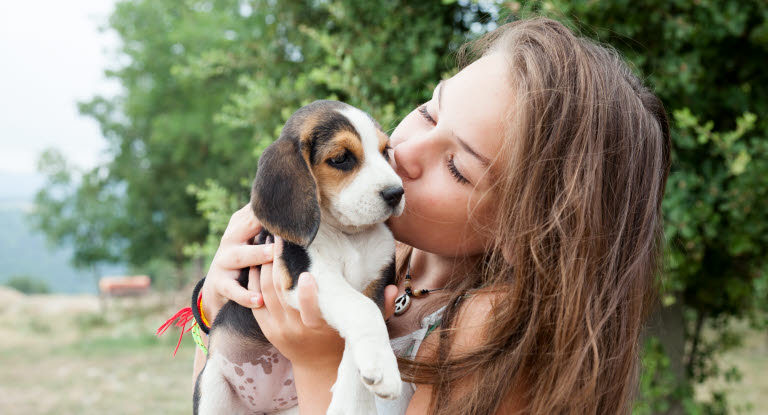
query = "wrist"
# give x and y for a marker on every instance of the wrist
(210, 304)
(315, 363)
(313, 386)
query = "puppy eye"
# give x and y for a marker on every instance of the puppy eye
(341, 158)
(343, 161)
(385, 153)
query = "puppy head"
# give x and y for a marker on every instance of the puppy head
(331, 159)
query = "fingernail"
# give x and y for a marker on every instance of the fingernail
(268, 250)
(257, 301)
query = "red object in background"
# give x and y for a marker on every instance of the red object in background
(126, 285)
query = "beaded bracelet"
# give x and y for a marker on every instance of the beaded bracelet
(187, 314)
(198, 338)
(197, 307)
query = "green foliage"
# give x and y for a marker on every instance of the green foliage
(27, 284)
(216, 205)
(718, 239)
(86, 322)
(80, 210)
(658, 382)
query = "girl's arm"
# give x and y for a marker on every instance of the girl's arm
(199, 360)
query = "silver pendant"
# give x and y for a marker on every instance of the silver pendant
(402, 303)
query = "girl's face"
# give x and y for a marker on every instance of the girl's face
(443, 152)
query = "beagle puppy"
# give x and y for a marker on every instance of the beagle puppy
(325, 187)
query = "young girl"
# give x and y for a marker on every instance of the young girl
(533, 183)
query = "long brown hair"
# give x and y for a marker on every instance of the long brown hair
(572, 269)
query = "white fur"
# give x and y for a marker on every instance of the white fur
(218, 394)
(360, 203)
(367, 354)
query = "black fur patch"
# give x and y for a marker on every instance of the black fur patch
(387, 277)
(238, 319)
(284, 194)
(196, 394)
(332, 124)
(296, 260)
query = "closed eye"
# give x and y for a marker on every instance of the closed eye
(425, 114)
(456, 173)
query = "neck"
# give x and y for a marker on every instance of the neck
(335, 225)
(432, 271)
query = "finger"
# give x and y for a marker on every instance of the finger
(232, 290)
(268, 292)
(309, 308)
(255, 287)
(242, 256)
(390, 295)
(242, 227)
(280, 277)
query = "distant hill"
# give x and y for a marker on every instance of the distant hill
(25, 252)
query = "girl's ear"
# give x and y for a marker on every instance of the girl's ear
(284, 195)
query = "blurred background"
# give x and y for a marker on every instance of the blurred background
(130, 131)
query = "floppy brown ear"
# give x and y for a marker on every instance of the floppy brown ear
(284, 194)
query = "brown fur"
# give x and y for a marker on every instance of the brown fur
(287, 280)
(383, 140)
(370, 290)
(330, 180)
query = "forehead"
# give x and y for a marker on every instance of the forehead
(476, 103)
(334, 126)
(369, 130)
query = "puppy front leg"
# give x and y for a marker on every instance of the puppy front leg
(350, 397)
(360, 323)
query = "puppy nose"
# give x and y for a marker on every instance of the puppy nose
(392, 195)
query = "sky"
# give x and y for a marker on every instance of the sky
(52, 55)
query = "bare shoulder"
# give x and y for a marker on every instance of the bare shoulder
(468, 330)
(473, 320)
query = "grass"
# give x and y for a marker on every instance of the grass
(77, 359)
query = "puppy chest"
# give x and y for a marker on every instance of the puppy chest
(358, 260)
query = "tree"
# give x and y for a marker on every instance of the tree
(207, 85)
(81, 210)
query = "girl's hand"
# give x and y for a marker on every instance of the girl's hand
(302, 335)
(235, 252)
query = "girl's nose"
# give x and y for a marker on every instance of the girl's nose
(408, 157)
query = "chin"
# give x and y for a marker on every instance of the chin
(395, 225)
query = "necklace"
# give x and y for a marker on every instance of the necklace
(403, 302)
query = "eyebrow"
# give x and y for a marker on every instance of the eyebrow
(485, 161)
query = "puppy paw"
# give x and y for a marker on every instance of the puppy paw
(378, 371)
